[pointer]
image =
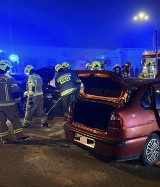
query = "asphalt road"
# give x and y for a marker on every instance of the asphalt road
(48, 160)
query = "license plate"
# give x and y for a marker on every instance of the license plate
(84, 140)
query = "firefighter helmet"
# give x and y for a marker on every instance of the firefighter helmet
(28, 68)
(5, 65)
(66, 65)
(127, 64)
(96, 64)
(117, 66)
(58, 67)
(148, 62)
(88, 65)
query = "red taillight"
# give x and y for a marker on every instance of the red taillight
(116, 121)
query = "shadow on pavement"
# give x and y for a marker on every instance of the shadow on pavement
(134, 167)
(45, 142)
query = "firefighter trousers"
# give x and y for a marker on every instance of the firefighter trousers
(34, 107)
(66, 100)
(10, 113)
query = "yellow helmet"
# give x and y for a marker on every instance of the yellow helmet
(58, 67)
(96, 64)
(5, 65)
(65, 65)
(148, 62)
(28, 68)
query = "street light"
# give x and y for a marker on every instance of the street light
(142, 16)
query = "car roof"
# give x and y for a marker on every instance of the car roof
(141, 82)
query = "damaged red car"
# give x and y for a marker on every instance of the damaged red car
(116, 118)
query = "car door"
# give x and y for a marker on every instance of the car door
(156, 100)
(148, 105)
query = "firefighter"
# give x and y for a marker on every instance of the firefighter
(148, 70)
(104, 64)
(68, 84)
(96, 65)
(88, 66)
(9, 95)
(117, 70)
(126, 70)
(34, 98)
(66, 65)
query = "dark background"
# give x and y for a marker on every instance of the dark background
(78, 23)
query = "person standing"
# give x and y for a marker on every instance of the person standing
(96, 65)
(66, 66)
(9, 95)
(117, 70)
(126, 70)
(67, 83)
(34, 98)
(104, 64)
(88, 66)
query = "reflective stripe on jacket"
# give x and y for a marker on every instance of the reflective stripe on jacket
(34, 85)
(65, 82)
(8, 86)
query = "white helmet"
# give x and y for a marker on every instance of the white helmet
(5, 65)
(28, 69)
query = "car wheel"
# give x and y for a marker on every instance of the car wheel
(151, 151)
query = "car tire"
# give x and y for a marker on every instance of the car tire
(151, 150)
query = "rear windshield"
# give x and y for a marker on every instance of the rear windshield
(100, 86)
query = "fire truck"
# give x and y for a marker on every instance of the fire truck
(151, 55)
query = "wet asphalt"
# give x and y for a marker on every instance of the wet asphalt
(48, 159)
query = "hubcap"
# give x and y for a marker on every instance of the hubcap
(153, 150)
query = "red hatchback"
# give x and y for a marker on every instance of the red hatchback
(118, 119)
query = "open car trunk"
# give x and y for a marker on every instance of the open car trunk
(93, 114)
(101, 92)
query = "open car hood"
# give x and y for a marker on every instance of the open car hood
(102, 85)
(46, 73)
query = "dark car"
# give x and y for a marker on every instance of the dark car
(50, 93)
(116, 118)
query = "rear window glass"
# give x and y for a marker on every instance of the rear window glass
(100, 86)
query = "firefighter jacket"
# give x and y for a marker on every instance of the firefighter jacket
(147, 72)
(9, 90)
(125, 73)
(34, 85)
(66, 82)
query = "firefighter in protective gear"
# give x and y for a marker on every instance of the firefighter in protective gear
(66, 65)
(104, 64)
(9, 95)
(58, 67)
(126, 70)
(117, 70)
(34, 98)
(96, 65)
(67, 83)
(88, 66)
(148, 70)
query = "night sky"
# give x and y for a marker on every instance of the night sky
(78, 23)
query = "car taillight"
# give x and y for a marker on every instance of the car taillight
(116, 121)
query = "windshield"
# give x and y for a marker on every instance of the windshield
(101, 86)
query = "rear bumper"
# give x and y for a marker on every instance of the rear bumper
(119, 150)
